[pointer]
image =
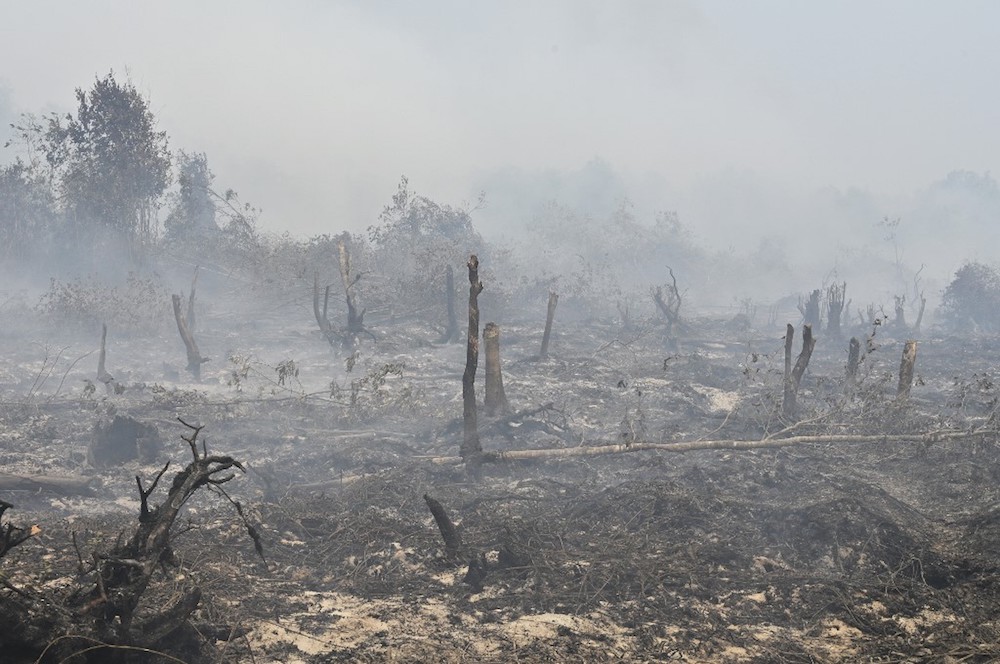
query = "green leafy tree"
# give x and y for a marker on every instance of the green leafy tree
(110, 164)
(973, 297)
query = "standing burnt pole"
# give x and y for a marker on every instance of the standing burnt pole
(906, 365)
(451, 334)
(553, 301)
(471, 450)
(496, 400)
(853, 360)
(195, 360)
(793, 375)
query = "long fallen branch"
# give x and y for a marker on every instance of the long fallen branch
(689, 446)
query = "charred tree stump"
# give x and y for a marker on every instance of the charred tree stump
(195, 360)
(471, 449)
(123, 439)
(451, 334)
(835, 306)
(549, 316)
(452, 538)
(906, 365)
(793, 375)
(496, 399)
(810, 309)
(853, 360)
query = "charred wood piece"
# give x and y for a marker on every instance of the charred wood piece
(449, 533)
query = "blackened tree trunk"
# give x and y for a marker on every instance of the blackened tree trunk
(496, 400)
(451, 334)
(793, 375)
(471, 449)
(195, 360)
(853, 360)
(550, 315)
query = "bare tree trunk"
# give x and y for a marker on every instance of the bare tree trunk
(853, 360)
(471, 449)
(920, 314)
(195, 360)
(355, 320)
(793, 375)
(496, 400)
(190, 308)
(102, 373)
(451, 334)
(906, 365)
(553, 301)
(900, 320)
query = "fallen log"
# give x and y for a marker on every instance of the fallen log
(63, 485)
(735, 445)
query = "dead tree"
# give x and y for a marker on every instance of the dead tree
(451, 333)
(195, 360)
(321, 318)
(102, 374)
(355, 319)
(920, 313)
(668, 301)
(906, 365)
(810, 309)
(900, 321)
(124, 574)
(853, 360)
(471, 449)
(835, 306)
(496, 399)
(549, 316)
(793, 375)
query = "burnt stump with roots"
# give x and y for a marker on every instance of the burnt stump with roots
(117, 612)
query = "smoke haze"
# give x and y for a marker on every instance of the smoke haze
(753, 121)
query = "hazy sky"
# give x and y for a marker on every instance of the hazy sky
(313, 110)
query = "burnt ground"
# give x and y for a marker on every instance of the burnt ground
(831, 551)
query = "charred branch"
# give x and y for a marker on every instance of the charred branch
(452, 538)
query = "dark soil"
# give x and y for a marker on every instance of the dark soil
(830, 551)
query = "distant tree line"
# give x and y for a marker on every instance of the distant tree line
(88, 186)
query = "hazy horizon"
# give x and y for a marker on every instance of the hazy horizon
(748, 119)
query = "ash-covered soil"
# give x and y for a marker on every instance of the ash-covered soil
(827, 551)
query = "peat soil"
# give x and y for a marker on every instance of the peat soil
(829, 551)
